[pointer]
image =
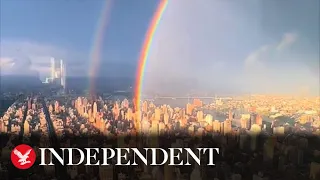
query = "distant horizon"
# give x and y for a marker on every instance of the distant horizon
(131, 82)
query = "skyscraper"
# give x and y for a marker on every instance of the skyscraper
(62, 74)
(53, 69)
(58, 73)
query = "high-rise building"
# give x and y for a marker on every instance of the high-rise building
(58, 73)
(62, 73)
(189, 109)
(209, 119)
(56, 107)
(166, 118)
(200, 115)
(243, 123)
(26, 128)
(259, 119)
(197, 103)
(216, 126)
(95, 109)
(227, 126)
(157, 114)
(145, 106)
(254, 131)
(230, 115)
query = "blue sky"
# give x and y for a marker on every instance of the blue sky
(253, 46)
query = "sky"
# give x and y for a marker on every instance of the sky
(35, 30)
(252, 46)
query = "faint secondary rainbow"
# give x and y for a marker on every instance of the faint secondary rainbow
(95, 55)
(146, 49)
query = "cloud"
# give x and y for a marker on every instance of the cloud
(37, 55)
(255, 57)
(17, 55)
(262, 54)
(6, 62)
(275, 68)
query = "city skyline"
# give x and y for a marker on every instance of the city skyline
(213, 45)
(269, 137)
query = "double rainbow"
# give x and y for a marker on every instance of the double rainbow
(98, 43)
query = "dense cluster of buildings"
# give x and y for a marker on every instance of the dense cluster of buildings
(261, 137)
